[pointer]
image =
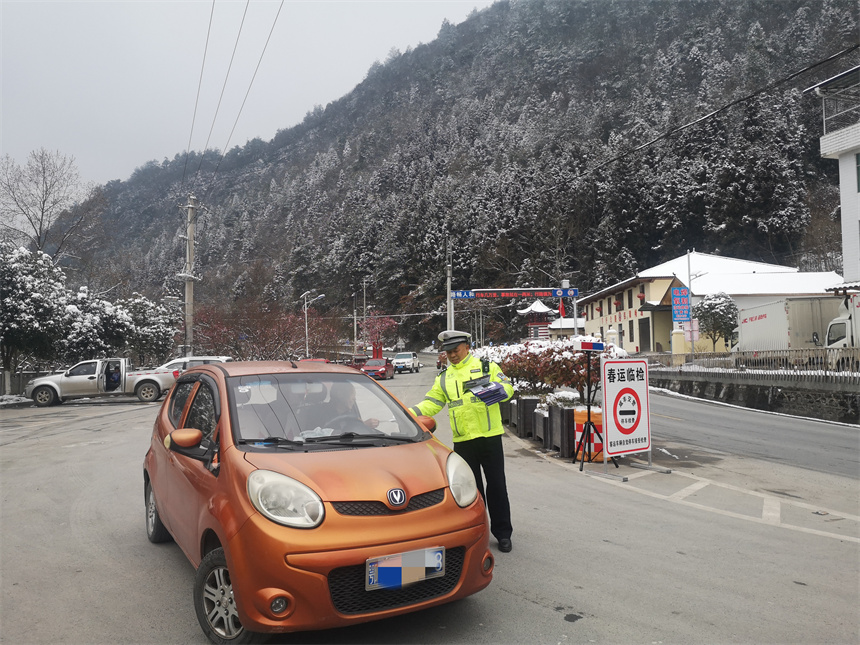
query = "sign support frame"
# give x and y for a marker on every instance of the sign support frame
(588, 427)
(650, 465)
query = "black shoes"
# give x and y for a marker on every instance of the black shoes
(505, 545)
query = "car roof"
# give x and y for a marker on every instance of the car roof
(248, 368)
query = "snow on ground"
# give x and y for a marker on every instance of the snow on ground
(11, 399)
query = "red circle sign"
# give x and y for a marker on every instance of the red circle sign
(627, 411)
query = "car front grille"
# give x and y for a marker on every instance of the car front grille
(425, 500)
(349, 596)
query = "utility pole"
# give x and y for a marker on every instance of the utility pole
(450, 301)
(189, 273)
(354, 325)
(364, 318)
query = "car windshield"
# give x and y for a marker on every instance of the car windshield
(403, 356)
(375, 362)
(297, 411)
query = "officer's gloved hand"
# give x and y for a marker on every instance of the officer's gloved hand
(493, 393)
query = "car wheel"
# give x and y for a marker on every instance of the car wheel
(44, 396)
(155, 530)
(214, 602)
(417, 369)
(148, 392)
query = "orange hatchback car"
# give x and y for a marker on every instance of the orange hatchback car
(308, 497)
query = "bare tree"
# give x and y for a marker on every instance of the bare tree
(44, 202)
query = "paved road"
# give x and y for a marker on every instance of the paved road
(728, 548)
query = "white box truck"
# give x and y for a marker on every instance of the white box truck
(843, 335)
(789, 323)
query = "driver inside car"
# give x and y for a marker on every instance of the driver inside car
(342, 399)
(340, 407)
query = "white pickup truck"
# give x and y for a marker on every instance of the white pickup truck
(101, 377)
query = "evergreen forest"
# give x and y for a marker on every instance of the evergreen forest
(538, 141)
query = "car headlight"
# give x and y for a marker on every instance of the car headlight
(461, 480)
(284, 500)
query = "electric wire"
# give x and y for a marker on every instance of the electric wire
(672, 131)
(727, 106)
(242, 107)
(197, 100)
(224, 86)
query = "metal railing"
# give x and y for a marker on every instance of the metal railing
(827, 368)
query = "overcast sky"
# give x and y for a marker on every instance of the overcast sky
(114, 83)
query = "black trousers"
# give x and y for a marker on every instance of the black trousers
(487, 453)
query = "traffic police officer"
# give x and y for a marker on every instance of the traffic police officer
(471, 388)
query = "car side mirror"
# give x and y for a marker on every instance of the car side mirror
(186, 441)
(428, 423)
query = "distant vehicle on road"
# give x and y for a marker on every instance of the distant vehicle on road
(379, 368)
(184, 363)
(406, 361)
(441, 360)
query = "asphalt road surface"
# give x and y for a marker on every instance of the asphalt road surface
(753, 538)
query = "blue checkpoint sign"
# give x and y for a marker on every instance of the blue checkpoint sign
(565, 293)
(680, 304)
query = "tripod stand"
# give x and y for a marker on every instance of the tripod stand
(588, 427)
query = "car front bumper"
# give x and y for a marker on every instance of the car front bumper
(324, 588)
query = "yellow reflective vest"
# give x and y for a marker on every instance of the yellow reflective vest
(470, 418)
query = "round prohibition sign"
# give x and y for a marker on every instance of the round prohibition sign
(627, 410)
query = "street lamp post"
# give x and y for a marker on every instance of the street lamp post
(306, 305)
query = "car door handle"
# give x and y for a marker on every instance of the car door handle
(91, 378)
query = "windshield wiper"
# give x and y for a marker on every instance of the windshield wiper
(275, 441)
(347, 438)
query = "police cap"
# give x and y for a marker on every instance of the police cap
(450, 338)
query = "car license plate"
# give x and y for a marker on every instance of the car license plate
(402, 569)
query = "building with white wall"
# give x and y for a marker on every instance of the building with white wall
(636, 313)
(840, 98)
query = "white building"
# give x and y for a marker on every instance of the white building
(841, 107)
(636, 313)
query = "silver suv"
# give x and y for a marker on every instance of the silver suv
(406, 361)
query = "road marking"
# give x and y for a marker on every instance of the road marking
(771, 510)
(771, 506)
(689, 490)
(663, 416)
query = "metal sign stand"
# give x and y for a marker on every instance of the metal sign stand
(649, 465)
(589, 427)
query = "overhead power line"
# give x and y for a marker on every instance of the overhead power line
(248, 92)
(224, 86)
(199, 85)
(727, 106)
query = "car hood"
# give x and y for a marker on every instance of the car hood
(52, 378)
(362, 473)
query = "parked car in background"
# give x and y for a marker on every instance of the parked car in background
(184, 363)
(296, 523)
(100, 377)
(406, 361)
(379, 368)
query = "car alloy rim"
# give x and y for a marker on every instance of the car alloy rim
(150, 512)
(218, 604)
